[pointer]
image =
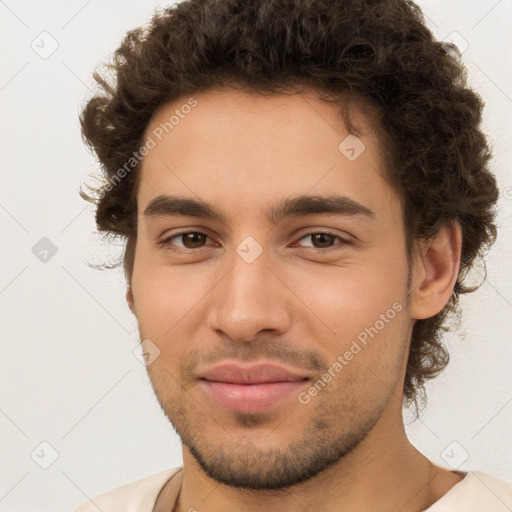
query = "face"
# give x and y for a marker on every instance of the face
(318, 288)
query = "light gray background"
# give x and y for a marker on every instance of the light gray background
(68, 373)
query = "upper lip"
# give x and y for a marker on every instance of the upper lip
(250, 374)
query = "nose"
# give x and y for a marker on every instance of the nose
(249, 299)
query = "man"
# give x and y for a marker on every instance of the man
(302, 187)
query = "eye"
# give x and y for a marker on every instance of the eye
(323, 240)
(197, 240)
(189, 239)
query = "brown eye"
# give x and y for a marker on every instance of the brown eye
(193, 240)
(189, 240)
(322, 240)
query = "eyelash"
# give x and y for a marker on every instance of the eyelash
(165, 243)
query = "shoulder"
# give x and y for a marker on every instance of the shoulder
(493, 488)
(475, 492)
(136, 496)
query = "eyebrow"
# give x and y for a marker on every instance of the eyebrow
(167, 205)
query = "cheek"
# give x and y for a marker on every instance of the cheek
(164, 295)
(345, 300)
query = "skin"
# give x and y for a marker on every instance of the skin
(300, 304)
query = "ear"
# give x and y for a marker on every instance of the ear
(435, 270)
(129, 299)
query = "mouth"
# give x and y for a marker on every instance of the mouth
(250, 397)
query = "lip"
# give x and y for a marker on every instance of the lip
(250, 389)
(250, 398)
(250, 374)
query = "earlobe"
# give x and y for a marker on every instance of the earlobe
(435, 272)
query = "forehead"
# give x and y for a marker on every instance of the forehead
(248, 148)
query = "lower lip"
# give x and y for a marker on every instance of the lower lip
(250, 398)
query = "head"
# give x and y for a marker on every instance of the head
(243, 107)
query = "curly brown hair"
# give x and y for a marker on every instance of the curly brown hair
(379, 50)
